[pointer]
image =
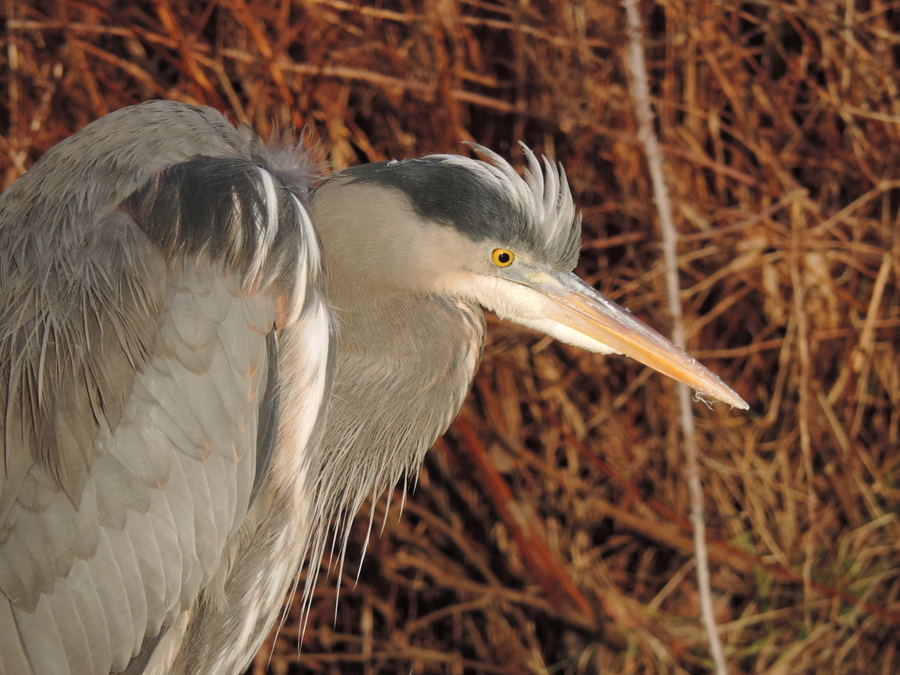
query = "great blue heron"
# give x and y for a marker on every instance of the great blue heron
(189, 399)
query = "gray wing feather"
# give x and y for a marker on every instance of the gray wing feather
(12, 655)
(19, 570)
(193, 332)
(139, 663)
(144, 452)
(118, 491)
(119, 618)
(118, 551)
(49, 654)
(70, 626)
(97, 626)
(268, 422)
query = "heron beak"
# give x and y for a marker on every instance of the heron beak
(571, 303)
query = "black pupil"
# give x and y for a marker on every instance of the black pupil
(503, 257)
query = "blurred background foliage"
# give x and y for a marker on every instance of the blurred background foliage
(548, 531)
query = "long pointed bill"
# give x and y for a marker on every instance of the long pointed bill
(576, 306)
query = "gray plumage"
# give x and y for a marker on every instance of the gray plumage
(139, 308)
(189, 401)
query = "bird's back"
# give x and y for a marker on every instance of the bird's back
(160, 294)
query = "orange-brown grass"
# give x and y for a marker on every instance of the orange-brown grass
(548, 532)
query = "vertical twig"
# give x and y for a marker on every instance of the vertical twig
(641, 93)
(798, 227)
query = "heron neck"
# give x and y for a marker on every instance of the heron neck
(404, 365)
(405, 356)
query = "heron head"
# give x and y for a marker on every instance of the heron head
(477, 230)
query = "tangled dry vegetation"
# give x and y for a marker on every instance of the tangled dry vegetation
(548, 531)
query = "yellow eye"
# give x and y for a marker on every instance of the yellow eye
(502, 257)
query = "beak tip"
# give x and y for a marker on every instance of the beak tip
(738, 402)
(725, 394)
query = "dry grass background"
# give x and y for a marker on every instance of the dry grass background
(548, 531)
